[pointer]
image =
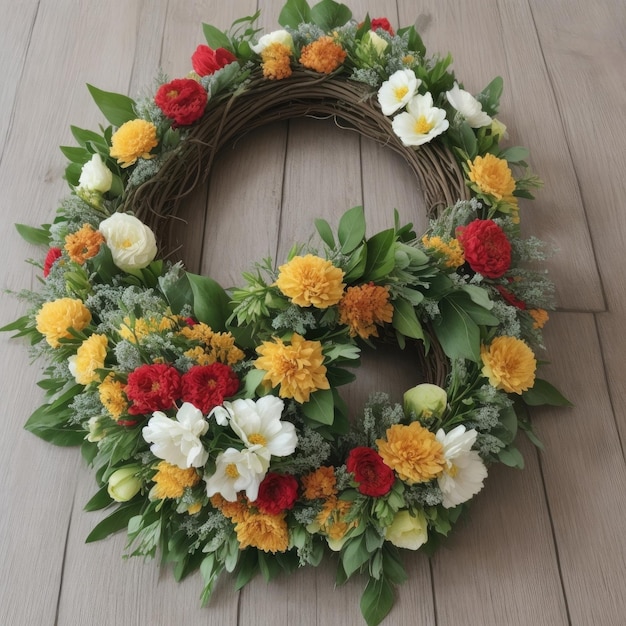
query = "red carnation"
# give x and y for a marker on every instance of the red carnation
(182, 100)
(486, 248)
(207, 61)
(382, 22)
(374, 477)
(207, 386)
(511, 298)
(152, 388)
(277, 493)
(51, 257)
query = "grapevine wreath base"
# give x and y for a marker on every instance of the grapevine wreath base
(213, 419)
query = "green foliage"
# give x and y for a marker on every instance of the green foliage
(211, 303)
(116, 108)
(36, 236)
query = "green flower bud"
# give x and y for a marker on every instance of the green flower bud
(425, 401)
(124, 484)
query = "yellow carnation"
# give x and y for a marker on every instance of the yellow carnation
(89, 358)
(364, 306)
(413, 452)
(112, 396)
(83, 244)
(297, 367)
(171, 481)
(509, 364)
(311, 281)
(132, 140)
(492, 176)
(56, 318)
(265, 532)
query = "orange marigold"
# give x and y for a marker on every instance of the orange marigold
(413, 452)
(269, 533)
(297, 367)
(364, 306)
(236, 511)
(334, 523)
(540, 317)
(171, 481)
(509, 364)
(276, 61)
(55, 319)
(83, 244)
(112, 397)
(132, 140)
(323, 55)
(492, 176)
(451, 251)
(319, 484)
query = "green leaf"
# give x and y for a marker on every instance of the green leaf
(354, 554)
(405, 320)
(294, 13)
(355, 266)
(211, 303)
(376, 601)
(414, 40)
(85, 137)
(542, 392)
(325, 232)
(468, 140)
(116, 521)
(117, 108)
(177, 292)
(478, 313)
(36, 236)
(320, 407)
(457, 332)
(392, 566)
(99, 501)
(329, 15)
(76, 154)
(351, 231)
(489, 97)
(514, 154)
(380, 255)
(215, 37)
(511, 457)
(479, 296)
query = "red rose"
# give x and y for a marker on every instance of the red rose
(152, 388)
(277, 493)
(207, 386)
(486, 248)
(182, 100)
(51, 257)
(511, 298)
(382, 22)
(207, 61)
(374, 477)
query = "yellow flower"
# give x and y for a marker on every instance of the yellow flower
(112, 396)
(509, 364)
(171, 481)
(276, 61)
(492, 176)
(83, 244)
(236, 511)
(56, 318)
(310, 280)
(297, 368)
(540, 317)
(265, 532)
(364, 306)
(89, 358)
(132, 140)
(413, 452)
(323, 55)
(217, 346)
(319, 484)
(135, 330)
(451, 251)
(194, 508)
(332, 518)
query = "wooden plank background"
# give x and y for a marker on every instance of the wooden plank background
(542, 546)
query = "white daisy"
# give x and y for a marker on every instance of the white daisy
(421, 122)
(237, 470)
(465, 103)
(396, 92)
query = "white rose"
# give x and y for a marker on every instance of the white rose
(132, 243)
(377, 42)
(407, 531)
(277, 36)
(95, 175)
(465, 103)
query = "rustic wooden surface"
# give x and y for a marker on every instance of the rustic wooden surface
(542, 546)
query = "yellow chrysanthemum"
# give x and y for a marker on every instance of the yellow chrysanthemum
(332, 518)
(236, 511)
(171, 481)
(319, 484)
(296, 367)
(132, 140)
(83, 244)
(509, 364)
(135, 330)
(112, 396)
(413, 452)
(451, 251)
(540, 317)
(364, 306)
(89, 358)
(276, 61)
(311, 281)
(323, 55)
(217, 346)
(269, 533)
(492, 176)
(56, 318)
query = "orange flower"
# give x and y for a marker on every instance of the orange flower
(413, 452)
(55, 319)
(323, 55)
(540, 317)
(319, 484)
(236, 511)
(132, 140)
(83, 244)
(276, 61)
(492, 176)
(171, 481)
(265, 532)
(509, 364)
(297, 368)
(364, 306)
(450, 251)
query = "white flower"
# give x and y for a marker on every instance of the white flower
(132, 243)
(425, 401)
(465, 471)
(277, 36)
(377, 42)
(95, 175)
(398, 91)
(259, 424)
(407, 531)
(421, 122)
(465, 103)
(237, 470)
(178, 441)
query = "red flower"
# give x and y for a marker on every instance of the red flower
(51, 257)
(207, 386)
(486, 248)
(152, 388)
(382, 22)
(277, 493)
(374, 477)
(182, 100)
(511, 298)
(207, 61)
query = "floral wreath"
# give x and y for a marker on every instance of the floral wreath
(213, 419)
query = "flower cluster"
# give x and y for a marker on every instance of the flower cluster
(215, 418)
